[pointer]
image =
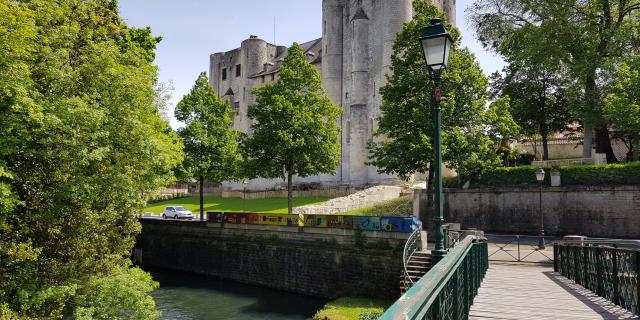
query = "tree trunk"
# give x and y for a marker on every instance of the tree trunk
(635, 144)
(289, 192)
(603, 144)
(545, 147)
(588, 142)
(201, 198)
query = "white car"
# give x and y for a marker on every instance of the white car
(177, 212)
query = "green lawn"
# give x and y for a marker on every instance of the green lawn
(269, 205)
(351, 308)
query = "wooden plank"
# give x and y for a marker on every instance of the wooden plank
(530, 291)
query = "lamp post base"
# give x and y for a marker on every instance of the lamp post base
(541, 245)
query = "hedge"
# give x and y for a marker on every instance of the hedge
(570, 175)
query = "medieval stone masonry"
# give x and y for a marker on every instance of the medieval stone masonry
(353, 57)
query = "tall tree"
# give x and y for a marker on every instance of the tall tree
(538, 99)
(623, 102)
(294, 125)
(471, 130)
(81, 143)
(210, 142)
(587, 36)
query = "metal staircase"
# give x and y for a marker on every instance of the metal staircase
(418, 264)
(416, 261)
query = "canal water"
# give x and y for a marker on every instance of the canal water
(186, 296)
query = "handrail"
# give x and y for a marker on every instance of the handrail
(437, 293)
(610, 272)
(410, 247)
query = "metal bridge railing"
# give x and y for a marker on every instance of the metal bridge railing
(447, 291)
(603, 267)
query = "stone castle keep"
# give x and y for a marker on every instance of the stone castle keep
(353, 57)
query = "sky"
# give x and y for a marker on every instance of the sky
(194, 29)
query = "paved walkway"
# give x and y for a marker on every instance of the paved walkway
(533, 291)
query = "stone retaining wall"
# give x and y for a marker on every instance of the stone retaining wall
(326, 263)
(611, 212)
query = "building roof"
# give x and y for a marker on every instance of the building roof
(312, 50)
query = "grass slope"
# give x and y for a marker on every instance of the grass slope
(269, 205)
(402, 206)
(351, 308)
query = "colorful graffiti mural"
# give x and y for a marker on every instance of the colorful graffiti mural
(386, 224)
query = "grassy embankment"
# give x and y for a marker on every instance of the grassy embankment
(351, 308)
(268, 205)
(402, 206)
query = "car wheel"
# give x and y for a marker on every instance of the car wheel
(177, 217)
(164, 216)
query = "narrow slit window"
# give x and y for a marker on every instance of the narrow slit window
(238, 70)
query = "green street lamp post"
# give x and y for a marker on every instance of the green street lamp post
(540, 178)
(436, 43)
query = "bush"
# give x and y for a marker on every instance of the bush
(370, 315)
(350, 308)
(571, 175)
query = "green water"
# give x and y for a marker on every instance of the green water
(185, 296)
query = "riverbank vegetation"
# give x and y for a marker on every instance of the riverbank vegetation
(353, 309)
(82, 140)
(267, 205)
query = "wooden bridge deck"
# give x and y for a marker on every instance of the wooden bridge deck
(530, 291)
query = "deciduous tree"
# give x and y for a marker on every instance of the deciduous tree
(210, 142)
(538, 99)
(472, 129)
(81, 143)
(623, 102)
(294, 125)
(586, 36)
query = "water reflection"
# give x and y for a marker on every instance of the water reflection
(185, 296)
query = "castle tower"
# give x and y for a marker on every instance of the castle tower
(359, 101)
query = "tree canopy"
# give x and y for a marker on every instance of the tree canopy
(587, 37)
(81, 145)
(294, 125)
(539, 103)
(210, 142)
(472, 130)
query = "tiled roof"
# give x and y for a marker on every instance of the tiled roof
(313, 46)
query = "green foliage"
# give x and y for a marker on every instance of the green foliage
(471, 131)
(210, 143)
(395, 207)
(349, 308)
(584, 37)
(623, 103)
(538, 101)
(81, 143)
(571, 175)
(293, 126)
(370, 315)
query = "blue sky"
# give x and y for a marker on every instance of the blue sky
(193, 29)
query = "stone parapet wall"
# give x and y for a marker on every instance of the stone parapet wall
(326, 263)
(611, 212)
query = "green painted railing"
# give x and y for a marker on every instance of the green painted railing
(610, 272)
(447, 291)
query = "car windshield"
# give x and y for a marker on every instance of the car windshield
(181, 209)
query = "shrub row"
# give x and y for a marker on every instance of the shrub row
(166, 197)
(570, 175)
